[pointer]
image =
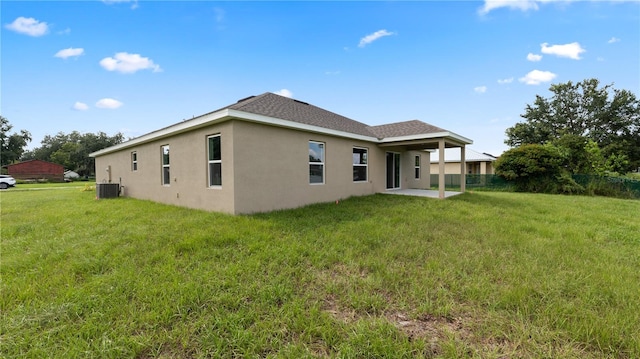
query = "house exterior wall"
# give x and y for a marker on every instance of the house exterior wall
(409, 173)
(188, 170)
(36, 169)
(272, 168)
(477, 168)
(264, 168)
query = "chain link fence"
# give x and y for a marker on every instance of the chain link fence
(594, 185)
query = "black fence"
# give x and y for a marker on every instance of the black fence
(595, 185)
(492, 182)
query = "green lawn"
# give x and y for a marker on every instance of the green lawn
(485, 275)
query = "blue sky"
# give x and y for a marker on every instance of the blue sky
(470, 67)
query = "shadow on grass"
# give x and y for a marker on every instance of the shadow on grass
(347, 211)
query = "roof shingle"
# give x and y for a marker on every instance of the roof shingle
(279, 107)
(272, 105)
(406, 128)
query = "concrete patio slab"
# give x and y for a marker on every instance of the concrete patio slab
(420, 193)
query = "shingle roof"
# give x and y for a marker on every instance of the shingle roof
(407, 128)
(272, 105)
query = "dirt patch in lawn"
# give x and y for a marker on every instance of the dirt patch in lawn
(433, 330)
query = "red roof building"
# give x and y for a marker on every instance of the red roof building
(36, 169)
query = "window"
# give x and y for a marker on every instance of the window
(215, 161)
(166, 177)
(316, 162)
(134, 161)
(359, 164)
(417, 167)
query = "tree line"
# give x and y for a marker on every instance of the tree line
(583, 128)
(70, 150)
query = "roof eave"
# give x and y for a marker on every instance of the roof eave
(466, 160)
(225, 115)
(188, 125)
(446, 135)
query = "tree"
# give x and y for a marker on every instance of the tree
(12, 146)
(609, 117)
(528, 164)
(72, 150)
(575, 157)
(536, 168)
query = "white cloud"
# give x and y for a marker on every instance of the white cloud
(373, 37)
(613, 40)
(505, 81)
(285, 93)
(534, 57)
(128, 63)
(219, 18)
(28, 26)
(536, 77)
(523, 5)
(79, 106)
(108, 103)
(480, 89)
(130, 133)
(66, 53)
(66, 31)
(134, 4)
(572, 50)
(220, 14)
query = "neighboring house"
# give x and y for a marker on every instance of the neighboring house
(36, 170)
(476, 163)
(271, 152)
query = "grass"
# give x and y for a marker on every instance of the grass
(49, 185)
(484, 275)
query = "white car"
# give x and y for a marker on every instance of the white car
(7, 181)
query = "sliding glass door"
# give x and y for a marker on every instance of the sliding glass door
(393, 170)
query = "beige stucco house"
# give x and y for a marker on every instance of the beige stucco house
(271, 152)
(476, 163)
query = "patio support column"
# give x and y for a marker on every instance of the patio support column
(441, 168)
(463, 170)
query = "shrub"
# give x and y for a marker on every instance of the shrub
(532, 168)
(567, 185)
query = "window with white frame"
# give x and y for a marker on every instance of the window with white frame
(215, 160)
(417, 167)
(316, 162)
(134, 161)
(166, 176)
(360, 157)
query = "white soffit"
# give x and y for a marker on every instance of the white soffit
(435, 135)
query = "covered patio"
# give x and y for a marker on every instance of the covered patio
(404, 138)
